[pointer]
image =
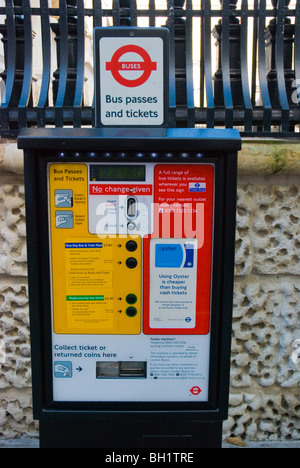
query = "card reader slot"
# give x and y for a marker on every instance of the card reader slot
(121, 369)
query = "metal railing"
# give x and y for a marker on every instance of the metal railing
(233, 64)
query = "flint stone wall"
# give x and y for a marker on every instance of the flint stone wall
(265, 372)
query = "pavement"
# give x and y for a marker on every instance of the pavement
(26, 442)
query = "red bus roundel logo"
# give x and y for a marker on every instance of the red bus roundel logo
(146, 66)
(195, 390)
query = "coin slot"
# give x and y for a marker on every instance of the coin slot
(131, 207)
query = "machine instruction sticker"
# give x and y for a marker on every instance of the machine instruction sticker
(89, 289)
(178, 254)
(92, 286)
(176, 359)
(173, 277)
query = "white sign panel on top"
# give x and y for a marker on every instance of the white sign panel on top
(131, 77)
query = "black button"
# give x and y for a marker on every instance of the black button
(131, 246)
(131, 311)
(131, 262)
(131, 298)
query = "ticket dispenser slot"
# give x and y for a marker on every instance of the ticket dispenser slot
(121, 369)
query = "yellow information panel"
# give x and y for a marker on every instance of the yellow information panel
(96, 280)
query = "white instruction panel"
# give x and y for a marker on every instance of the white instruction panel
(158, 368)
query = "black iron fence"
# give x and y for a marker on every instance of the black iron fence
(232, 64)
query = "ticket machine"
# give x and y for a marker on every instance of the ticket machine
(130, 238)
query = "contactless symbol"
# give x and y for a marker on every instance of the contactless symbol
(115, 66)
(195, 390)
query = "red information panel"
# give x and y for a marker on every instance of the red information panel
(178, 254)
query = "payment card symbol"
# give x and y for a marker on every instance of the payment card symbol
(63, 369)
(174, 255)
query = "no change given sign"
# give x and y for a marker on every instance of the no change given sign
(131, 77)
